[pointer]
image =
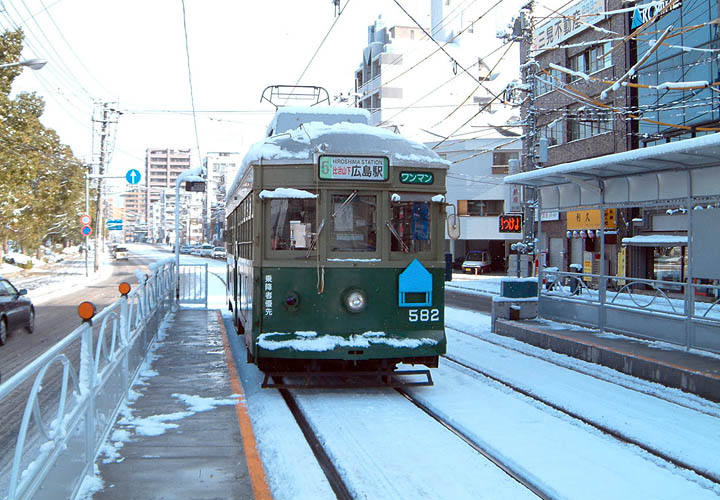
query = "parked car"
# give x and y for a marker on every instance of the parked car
(477, 261)
(185, 249)
(120, 253)
(206, 250)
(219, 253)
(16, 310)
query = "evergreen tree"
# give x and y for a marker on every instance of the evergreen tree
(41, 183)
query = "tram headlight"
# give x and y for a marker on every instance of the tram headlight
(355, 301)
(292, 301)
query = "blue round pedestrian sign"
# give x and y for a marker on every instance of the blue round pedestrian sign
(133, 176)
(86, 230)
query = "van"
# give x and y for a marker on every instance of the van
(477, 261)
(206, 250)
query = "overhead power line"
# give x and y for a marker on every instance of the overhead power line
(192, 96)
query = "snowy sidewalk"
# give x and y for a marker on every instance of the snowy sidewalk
(180, 437)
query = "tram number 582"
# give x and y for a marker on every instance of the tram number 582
(415, 315)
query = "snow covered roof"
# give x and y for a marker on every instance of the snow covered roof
(290, 117)
(301, 145)
(656, 240)
(665, 172)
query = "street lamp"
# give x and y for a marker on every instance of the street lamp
(30, 63)
(191, 175)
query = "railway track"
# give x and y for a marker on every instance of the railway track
(575, 366)
(331, 473)
(339, 486)
(614, 433)
(514, 472)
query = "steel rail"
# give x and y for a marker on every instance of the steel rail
(538, 489)
(589, 373)
(618, 435)
(331, 473)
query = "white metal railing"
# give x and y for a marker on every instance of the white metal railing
(635, 293)
(69, 397)
(670, 311)
(193, 284)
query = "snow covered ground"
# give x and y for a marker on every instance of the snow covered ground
(386, 448)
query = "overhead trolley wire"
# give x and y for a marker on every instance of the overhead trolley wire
(192, 96)
(322, 42)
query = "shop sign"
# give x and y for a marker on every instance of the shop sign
(550, 216)
(570, 22)
(590, 219)
(643, 13)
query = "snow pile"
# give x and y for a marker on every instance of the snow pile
(311, 341)
(286, 193)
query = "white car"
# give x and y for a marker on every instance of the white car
(206, 250)
(120, 253)
(219, 253)
(477, 262)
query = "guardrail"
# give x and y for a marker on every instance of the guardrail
(655, 309)
(193, 284)
(69, 397)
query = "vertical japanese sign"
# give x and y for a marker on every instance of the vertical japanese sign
(268, 294)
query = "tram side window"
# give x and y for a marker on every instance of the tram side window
(411, 221)
(292, 223)
(354, 223)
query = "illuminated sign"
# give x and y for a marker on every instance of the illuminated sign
(416, 177)
(511, 223)
(355, 168)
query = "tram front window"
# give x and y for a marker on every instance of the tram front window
(411, 224)
(354, 223)
(292, 223)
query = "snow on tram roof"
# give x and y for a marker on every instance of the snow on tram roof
(291, 117)
(299, 145)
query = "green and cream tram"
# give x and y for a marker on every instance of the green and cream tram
(335, 236)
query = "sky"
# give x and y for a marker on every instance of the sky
(133, 54)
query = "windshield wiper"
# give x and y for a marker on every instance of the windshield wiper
(350, 198)
(405, 248)
(315, 238)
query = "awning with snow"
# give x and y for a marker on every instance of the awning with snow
(652, 175)
(656, 240)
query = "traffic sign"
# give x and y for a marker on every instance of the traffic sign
(133, 176)
(85, 219)
(86, 230)
(112, 222)
(115, 227)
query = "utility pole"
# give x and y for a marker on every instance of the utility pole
(530, 130)
(108, 117)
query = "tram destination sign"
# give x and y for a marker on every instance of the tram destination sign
(355, 168)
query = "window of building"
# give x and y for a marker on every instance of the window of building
(545, 82)
(553, 132)
(593, 59)
(481, 208)
(501, 161)
(588, 123)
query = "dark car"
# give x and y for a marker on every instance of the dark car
(16, 310)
